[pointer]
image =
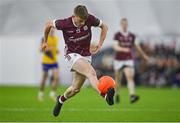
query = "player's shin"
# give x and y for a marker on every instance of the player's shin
(70, 92)
(94, 83)
(117, 88)
(131, 87)
(67, 94)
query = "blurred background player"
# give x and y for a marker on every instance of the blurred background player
(50, 62)
(77, 35)
(124, 42)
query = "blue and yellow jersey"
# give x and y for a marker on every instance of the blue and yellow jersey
(50, 57)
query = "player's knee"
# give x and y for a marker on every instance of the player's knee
(130, 79)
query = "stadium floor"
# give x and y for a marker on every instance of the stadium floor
(21, 104)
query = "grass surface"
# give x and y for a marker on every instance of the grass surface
(21, 104)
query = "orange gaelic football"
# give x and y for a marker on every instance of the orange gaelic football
(106, 82)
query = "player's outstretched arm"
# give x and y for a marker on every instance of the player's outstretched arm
(104, 30)
(143, 54)
(48, 27)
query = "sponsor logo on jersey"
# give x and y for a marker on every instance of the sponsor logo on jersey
(85, 27)
(70, 31)
(80, 38)
(78, 30)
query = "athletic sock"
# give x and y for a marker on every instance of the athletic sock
(40, 94)
(131, 87)
(62, 99)
(52, 94)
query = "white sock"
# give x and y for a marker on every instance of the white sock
(52, 94)
(131, 87)
(61, 100)
(65, 96)
(41, 94)
(105, 96)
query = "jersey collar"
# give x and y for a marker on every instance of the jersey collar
(124, 33)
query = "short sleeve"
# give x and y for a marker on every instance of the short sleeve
(94, 21)
(58, 24)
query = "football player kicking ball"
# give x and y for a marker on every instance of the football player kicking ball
(124, 42)
(77, 35)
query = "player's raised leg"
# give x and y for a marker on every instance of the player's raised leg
(85, 68)
(129, 72)
(78, 81)
(118, 75)
(42, 86)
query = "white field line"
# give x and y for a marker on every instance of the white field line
(91, 110)
(98, 122)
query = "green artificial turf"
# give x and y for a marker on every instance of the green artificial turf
(21, 104)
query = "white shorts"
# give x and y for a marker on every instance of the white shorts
(73, 57)
(119, 64)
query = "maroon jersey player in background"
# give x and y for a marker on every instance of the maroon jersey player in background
(77, 35)
(124, 41)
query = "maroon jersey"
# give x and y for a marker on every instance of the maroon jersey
(77, 39)
(124, 41)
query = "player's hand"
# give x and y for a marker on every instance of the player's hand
(151, 60)
(44, 47)
(94, 48)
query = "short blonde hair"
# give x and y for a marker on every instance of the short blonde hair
(81, 11)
